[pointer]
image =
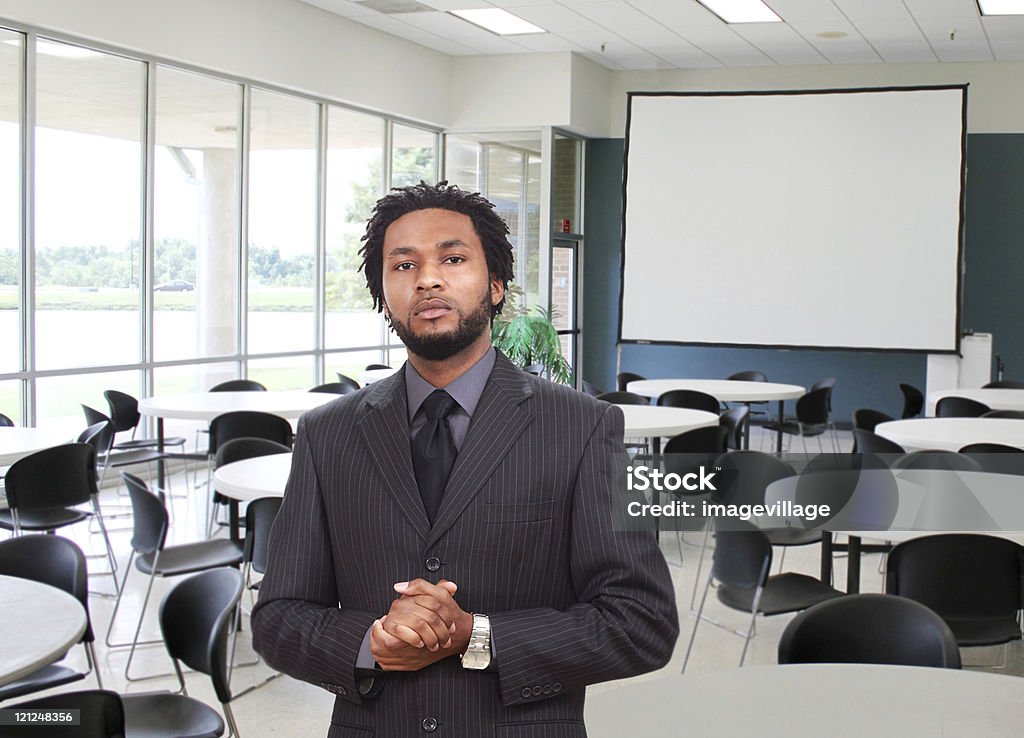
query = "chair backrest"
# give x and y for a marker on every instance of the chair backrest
(624, 378)
(1003, 384)
(867, 419)
(996, 457)
(748, 376)
(61, 476)
(868, 442)
(960, 407)
(6, 422)
(124, 410)
(259, 518)
(958, 575)
(708, 440)
(624, 398)
(99, 434)
(747, 475)
(734, 420)
(333, 388)
(371, 367)
(149, 515)
(348, 381)
(100, 714)
(249, 424)
(591, 389)
(813, 407)
(939, 460)
(691, 399)
(52, 560)
(913, 400)
(195, 619)
(238, 385)
(238, 449)
(743, 556)
(1012, 414)
(828, 383)
(536, 370)
(869, 629)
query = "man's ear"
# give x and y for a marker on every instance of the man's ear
(497, 290)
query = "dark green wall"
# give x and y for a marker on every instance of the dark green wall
(993, 289)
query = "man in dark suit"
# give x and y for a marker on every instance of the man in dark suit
(445, 559)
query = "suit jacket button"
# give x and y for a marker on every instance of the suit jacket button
(342, 690)
(536, 691)
(547, 689)
(429, 724)
(557, 686)
(526, 692)
(433, 563)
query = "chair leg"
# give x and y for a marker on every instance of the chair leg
(106, 540)
(229, 717)
(138, 629)
(696, 623)
(700, 563)
(753, 618)
(90, 655)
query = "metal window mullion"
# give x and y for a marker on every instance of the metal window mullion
(385, 186)
(27, 245)
(241, 337)
(547, 139)
(320, 261)
(148, 241)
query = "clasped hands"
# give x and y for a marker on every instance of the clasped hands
(423, 626)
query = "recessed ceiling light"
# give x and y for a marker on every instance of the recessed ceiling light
(831, 34)
(1001, 7)
(498, 21)
(741, 11)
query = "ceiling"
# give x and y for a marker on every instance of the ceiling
(681, 34)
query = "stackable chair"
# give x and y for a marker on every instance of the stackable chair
(624, 378)
(196, 619)
(100, 715)
(371, 367)
(735, 420)
(1003, 384)
(869, 629)
(867, 419)
(759, 411)
(352, 384)
(6, 422)
(125, 416)
(58, 562)
(812, 418)
(152, 556)
(690, 399)
(239, 385)
(590, 389)
(239, 449)
(333, 388)
(913, 401)
(960, 407)
(869, 442)
(103, 442)
(996, 458)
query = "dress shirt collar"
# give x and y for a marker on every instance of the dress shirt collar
(466, 388)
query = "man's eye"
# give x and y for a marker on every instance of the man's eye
(404, 266)
(454, 260)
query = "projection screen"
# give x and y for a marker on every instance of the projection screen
(811, 219)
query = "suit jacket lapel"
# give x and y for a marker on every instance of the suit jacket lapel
(497, 422)
(384, 427)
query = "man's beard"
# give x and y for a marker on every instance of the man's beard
(441, 346)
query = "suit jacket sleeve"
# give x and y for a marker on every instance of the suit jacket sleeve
(298, 625)
(624, 622)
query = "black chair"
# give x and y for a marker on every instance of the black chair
(195, 619)
(624, 378)
(125, 416)
(759, 411)
(748, 376)
(812, 417)
(6, 422)
(348, 382)
(333, 388)
(735, 421)
(1003, 384)
(960, 407)
(972, 581)
(102, 441)
(624, 398)
(937, 460)
(913, 401)
(868, 442)
(371, 367)
(591, 389)
(238, 385)
(1010, 414)
(996, 458)
(259, 519)
(867, 419)
(100, 715)
(869, 629)
(238, 449)
(58, 562)
(153, 557)
(740, 566)
(536, 370)
(691, 399)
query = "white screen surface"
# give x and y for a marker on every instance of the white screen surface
(824, 219)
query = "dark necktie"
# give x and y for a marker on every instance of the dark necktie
(433, 451)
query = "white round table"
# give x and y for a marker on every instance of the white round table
(725, 390)
(952, 434)
(40, 623)
(651, 421)
(250, 479)
(811, 700)
(997, 399)
(375, 375)
(17, 443)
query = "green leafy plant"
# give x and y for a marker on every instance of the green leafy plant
(528, 337)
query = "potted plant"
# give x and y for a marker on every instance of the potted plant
(528, 337)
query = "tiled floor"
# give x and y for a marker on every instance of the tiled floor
(286, 707)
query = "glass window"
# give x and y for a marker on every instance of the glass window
(355, 179)
(282, 223)
(88, 204)
(10, 400)
(11, 49)
(413, 156)
(195, 297)
(283, 373)
(60, 399)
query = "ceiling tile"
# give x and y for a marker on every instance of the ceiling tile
(556, 18)
(780, 43)
(798, 11)
(491, 44)
(894, 53)
(1004, 28)
(447, 46)
(343, 7)
(676, 15)
(873, 10)
(892, 31)
(443, 24)
(546, 42)
(942, 8)
(1008, 50)
(651, 38)
(692, 58)
(618, 15)
(391, 24)
(457, 4)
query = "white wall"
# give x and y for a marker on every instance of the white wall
(995, 98)
(281, 42)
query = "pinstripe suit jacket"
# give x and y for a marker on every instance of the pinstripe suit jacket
(524, 530)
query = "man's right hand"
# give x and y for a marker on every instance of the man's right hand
(424, 625)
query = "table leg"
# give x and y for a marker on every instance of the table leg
(233, 517)
(746, 430)
(826, 558)
(161, 471)
(853, 566)
(778, 441)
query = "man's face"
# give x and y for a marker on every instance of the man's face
(437, 290)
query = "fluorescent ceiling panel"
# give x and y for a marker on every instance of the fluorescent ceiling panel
(497, 21)
(741, 11)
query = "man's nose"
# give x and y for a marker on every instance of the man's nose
(430, 277)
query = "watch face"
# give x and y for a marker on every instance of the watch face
(476, 659)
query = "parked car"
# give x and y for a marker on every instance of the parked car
(175, 285)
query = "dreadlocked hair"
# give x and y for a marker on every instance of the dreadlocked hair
(489, 227)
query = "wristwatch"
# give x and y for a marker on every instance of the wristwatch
(478, 652)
